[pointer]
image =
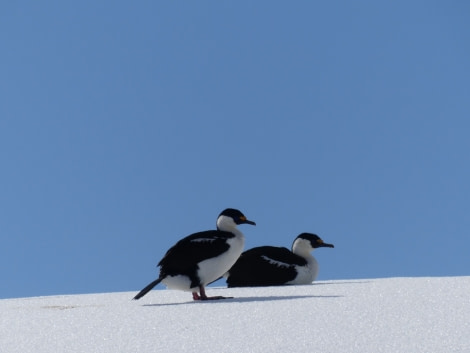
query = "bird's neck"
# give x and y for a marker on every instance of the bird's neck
(237, 232)
(312, 263)
(227, 224)
(302, 251)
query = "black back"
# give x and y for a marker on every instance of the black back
(264, 266)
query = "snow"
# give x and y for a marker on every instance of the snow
(367, 315)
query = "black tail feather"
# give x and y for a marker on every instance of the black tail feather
(147, 289)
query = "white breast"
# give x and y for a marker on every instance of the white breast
(213, 268)
(306, 274)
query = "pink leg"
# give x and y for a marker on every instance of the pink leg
(203, 295)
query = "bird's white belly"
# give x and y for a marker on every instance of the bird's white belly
(213, 268)
(306, 274)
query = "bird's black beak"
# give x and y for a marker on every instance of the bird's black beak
(243, 220)
(326, 245)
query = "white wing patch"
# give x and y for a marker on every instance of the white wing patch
(203, 240)
(274, 262)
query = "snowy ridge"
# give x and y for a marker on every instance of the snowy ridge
(368, 315)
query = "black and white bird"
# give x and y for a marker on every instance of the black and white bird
(201, 258)
(277, 266)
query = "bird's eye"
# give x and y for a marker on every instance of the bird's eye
(319, 241)
(242, 218)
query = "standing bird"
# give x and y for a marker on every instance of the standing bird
(202, 257)
(276, 266)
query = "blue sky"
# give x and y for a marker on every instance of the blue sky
(126, 126)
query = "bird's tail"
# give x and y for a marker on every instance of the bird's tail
(147, 289)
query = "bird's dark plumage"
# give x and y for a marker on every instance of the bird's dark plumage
(275, 266)
(257, 267)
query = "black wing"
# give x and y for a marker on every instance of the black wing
(264, 266)
(188, 252)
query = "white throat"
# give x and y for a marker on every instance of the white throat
(306, 274)
(302, 248)
(226, 224)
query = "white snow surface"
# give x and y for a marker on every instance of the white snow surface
(365, 315)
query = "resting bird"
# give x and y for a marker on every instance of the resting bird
(276, 266)
(202, 257)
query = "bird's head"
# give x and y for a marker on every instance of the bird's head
(306, 242)
(230, 218)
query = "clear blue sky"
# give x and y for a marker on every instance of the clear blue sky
(125, 126)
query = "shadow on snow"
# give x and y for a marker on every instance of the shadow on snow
(229, 300)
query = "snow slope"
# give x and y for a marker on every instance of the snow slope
(369, 315)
